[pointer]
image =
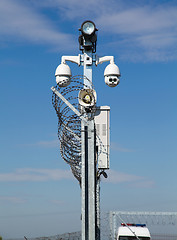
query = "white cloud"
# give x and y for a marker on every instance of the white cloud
(42, 175)
(117, 147)
(35, 175)
(46, 144)
(133, 180)
(118, 177)
(144, 32)
(12, 199)
(137, 32)
(53, 143)
(143, 184)
(147, 32)
(75, 9)
(139, 20)
(57, 202)
(24, 23)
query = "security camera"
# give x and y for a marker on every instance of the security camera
(63, 75)
(112, 75)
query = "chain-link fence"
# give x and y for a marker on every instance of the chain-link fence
(65, 236)
(163, 237)
(162, 226)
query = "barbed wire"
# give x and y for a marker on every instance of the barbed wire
(69, 123)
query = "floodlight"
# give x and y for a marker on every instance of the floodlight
(88, 37)
(88, 28)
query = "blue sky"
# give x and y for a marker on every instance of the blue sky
(39, 196)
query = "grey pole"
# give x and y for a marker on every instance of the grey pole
(88, 161)
(98, 236)
(90, 182)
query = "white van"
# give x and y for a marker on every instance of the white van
(131, 231)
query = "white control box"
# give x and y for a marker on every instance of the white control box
(102, 124)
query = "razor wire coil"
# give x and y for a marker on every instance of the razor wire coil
(69, 123)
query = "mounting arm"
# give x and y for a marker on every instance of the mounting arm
(74, 59)
(105, 59)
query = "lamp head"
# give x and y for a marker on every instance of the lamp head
(88, 37)
(88, 28)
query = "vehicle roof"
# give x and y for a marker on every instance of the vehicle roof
(139, 231)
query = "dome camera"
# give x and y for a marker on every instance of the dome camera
(112, 75)
(63, 75)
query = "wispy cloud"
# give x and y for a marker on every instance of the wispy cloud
(133, 180)
(46, 144)
(117, 147)
(57, 202)
(139, 20)
(147, 28)
(138, 31)
(35, 175)
(12, 199)
(119, 177)
(143, 31)
(42, 175)
(22, 22)
(75, 9)
(144, 183)
(53, 143)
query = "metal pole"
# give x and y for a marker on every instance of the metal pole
(98, 209)
(110, 226)
(88, 62)
(88, 162)
(114, 225)
(84, 211)
(90, 182)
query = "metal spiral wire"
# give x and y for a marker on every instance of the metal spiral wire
(69, 124)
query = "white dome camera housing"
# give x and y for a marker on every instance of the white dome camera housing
(112, 75)
(63, 75)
